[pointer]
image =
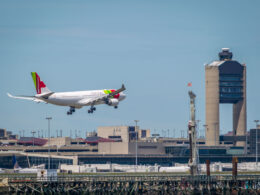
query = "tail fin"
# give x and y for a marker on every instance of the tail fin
(15, 163)
(39, 85)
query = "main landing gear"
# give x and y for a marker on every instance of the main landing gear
(92, 109)
(72, 109)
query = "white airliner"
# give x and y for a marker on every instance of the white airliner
(75, 99)
(33, 169)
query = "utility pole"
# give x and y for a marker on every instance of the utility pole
(182, 133)
(256, 143)
(49, 159)
(136, 138)
(192, 137)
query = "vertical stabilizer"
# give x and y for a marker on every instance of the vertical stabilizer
(15, 163)
(39, 85)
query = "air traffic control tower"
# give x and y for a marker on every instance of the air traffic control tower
(225, 84)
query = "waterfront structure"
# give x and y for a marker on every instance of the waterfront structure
(225, 82)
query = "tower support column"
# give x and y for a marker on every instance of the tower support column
(212, 105)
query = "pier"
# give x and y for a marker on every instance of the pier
(132, 184)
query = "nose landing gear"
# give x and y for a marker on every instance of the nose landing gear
(70, 112)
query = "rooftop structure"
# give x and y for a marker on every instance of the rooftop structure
(123, 133)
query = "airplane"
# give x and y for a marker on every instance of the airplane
(75, 99)
(178, 169)
(33, 169)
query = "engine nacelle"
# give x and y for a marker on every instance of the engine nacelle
(113, 102)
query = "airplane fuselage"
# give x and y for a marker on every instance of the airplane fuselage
(72, 99)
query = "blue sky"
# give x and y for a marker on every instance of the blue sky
(154, 47)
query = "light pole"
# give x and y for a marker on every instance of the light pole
(256, 144)
(49, 159)
(33, 132)
(198, 148)
(136, 138)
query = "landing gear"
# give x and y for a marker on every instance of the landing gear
(92, 109)
(115, 107)
(72, 109)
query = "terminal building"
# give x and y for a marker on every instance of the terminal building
(119, 146)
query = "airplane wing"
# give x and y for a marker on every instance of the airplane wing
(93, 101)
(32, 98)
(88, 102)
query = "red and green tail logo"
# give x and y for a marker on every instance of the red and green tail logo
(38, 83)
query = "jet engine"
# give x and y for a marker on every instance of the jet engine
(113, 102)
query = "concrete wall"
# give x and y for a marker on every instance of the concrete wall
(130, 148)
(113, 148)
(59, 141)
(146, 148)
(212, 105)
(122, 131)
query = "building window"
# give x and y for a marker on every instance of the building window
(114, 137)
(143, 134)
